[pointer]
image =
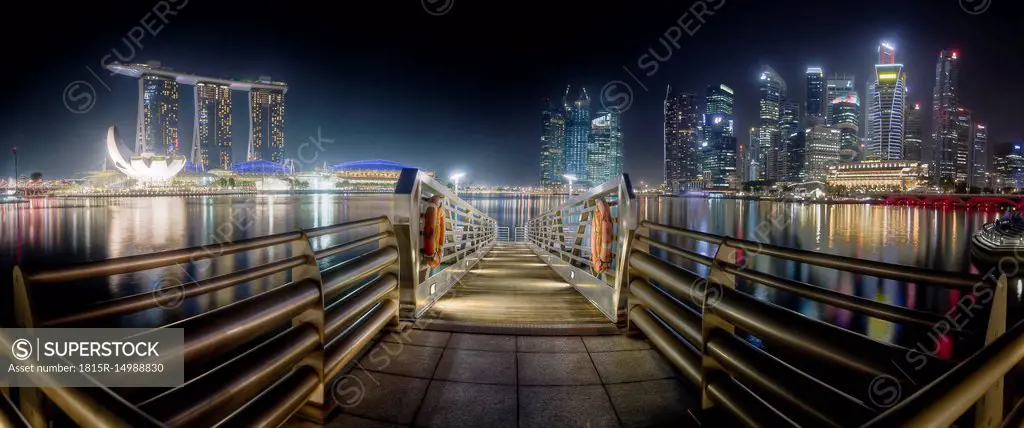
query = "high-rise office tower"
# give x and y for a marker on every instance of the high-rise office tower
(838, 86)
(913, 139)
(680, 139)
(604, 157)
(822, 153)
(945, 109)
(962, 125)
(845, 117)
(888, 99)
(886, 53)
(577, 136)
(979, 155)
(211, 134)
(552, 142)
(158, 116)
(789, 124)
(266, 124)
(816, 103)
(751, 163)
(718, 147)
(769, 142)
(795, 157)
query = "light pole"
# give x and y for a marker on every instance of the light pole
(571, 178)
(455, 177)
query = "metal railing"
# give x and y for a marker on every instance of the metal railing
(520, 234)
(256, 361)
(808, 373)
(470, 234)
(561, 237)
(503, 234)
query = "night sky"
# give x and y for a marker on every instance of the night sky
(462, 90)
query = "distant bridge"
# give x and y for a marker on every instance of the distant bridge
(951, 200)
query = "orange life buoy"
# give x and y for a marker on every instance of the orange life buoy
(601, 237)
(433, 232)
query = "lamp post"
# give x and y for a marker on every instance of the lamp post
(455, 177)
(570, 178)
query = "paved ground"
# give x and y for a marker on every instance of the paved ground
(441, 379)
(511, 285)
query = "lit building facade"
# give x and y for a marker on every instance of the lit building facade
(770, 156)
(880, 175)
(913, 140)
(266, 124)
(838, 86)
(962, 124)
(946, 136)
(886, 53)
(822, 151)
(552, 142)
(978, 158)
(845, 117)
(211, 132)
(796, 157)
(718, 145)
(681, 118)
(577, 136)
(158, 116)
(888, 100)
(1008, 167)
(604, 158)
(816, 103)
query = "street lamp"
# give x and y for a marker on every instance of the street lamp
(571, 178)
(455, 177)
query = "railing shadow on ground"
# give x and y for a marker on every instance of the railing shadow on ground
(264, 359)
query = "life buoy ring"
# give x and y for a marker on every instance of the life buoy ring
(601, 237)
(433, 232)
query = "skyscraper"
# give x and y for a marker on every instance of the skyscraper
(266, 124)
(680, 139)
(979, 155)
(845, 117)
(718, 147)
(769, 142)
(836, 87)
(552, 141)
(886, 53)
(789, 124)
(211, 134)
(604, 158)
(753, 168)
(158, 116)
(822, 153)
(887, 112)
(577, 136)
(913, 140)
(795, 157)
(962, 124)
(945, 105)
(816, 103)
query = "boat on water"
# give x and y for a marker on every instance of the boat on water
(1003, 238)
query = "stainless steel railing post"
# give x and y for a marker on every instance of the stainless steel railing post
(712, 293)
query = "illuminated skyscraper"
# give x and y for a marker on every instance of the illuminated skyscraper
(822, 152)
(770, 158)
(838, 86)
(795, 157)
(753, 169)
(681, 119)
(158, 116)
(962, 125)
(577, 136)
(266, 124)
(888, 99)
(718, 148)
(816, 92)
(886, 53)
(979, 155)
(913, 140)
(552, 144)
(604, 158)
(945, 109)
(845, 117)
(211, 133)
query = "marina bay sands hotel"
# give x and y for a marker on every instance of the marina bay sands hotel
(157, 121)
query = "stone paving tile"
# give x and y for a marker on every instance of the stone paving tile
(550, 344)
(631, 366)
(565, 406)
(402, 359)
(436, 339)
(457, 404)
(556, 369)
(614, 343)
(380, 396)
(465, 365)
(483, 342)
(344, 420)
(654, 403)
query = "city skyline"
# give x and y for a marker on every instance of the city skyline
(373, 108)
